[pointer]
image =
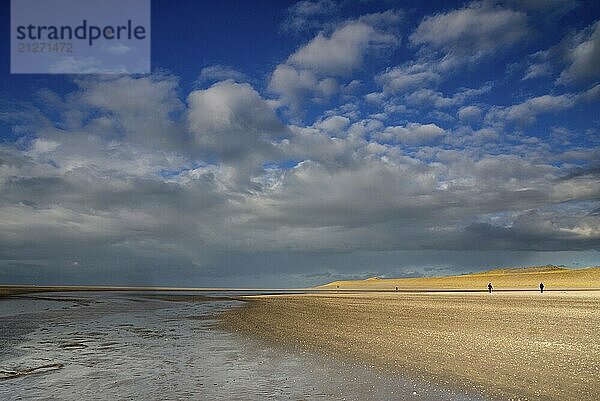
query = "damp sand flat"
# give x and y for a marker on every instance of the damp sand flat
(511, 345)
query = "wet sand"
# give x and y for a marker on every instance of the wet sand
(516, 345)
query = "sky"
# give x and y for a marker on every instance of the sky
(283, 144)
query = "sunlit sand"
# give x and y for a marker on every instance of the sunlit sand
(517, 345)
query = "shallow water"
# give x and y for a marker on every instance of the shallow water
(123, 346)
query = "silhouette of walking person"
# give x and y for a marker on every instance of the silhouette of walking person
(541, 287)
(490, 288)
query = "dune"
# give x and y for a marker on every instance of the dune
(553, 277)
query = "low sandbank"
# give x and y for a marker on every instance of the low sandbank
(519, 345)
(6, 291)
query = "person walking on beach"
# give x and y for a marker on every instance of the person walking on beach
(490, 288)
(541, 287)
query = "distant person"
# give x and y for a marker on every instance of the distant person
(490, 288)
(396, 288)
(541, 287)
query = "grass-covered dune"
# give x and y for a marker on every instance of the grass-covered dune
(553, 278)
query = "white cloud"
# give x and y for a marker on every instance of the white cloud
(343, 51)
(399, 79)
(548, 8)
(312, 72)
(447, 41)
(140, 109)
(41, 146)
(333, 124)
(576, 56)
(584, 57)
(412, 134)
(590, 95)
(469, 113)
(233, 121)
(295, 86)
(429, 97)
(306, 15)
(537, 70)
(527, 112)
(470, 33)
(219, 72)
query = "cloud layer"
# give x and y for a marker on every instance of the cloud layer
(395, 172)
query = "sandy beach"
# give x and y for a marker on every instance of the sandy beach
(515, 345)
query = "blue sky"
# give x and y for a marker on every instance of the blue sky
(293, 143)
